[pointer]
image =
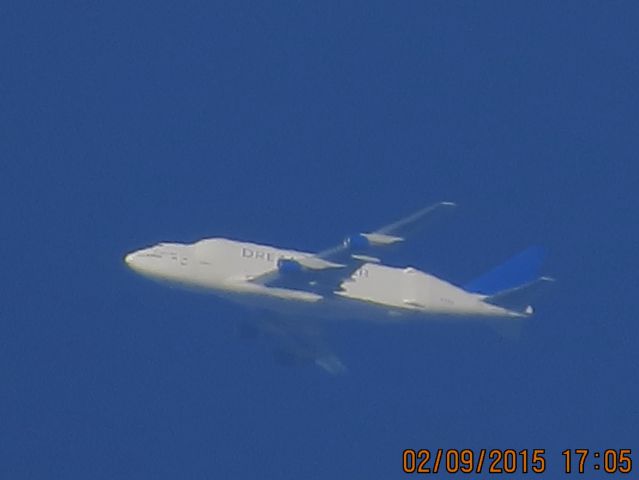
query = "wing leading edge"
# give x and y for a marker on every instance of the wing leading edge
(325, 271)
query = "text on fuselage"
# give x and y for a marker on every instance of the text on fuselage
(272, 257)
(260, 254)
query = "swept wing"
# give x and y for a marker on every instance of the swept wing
(325, 271)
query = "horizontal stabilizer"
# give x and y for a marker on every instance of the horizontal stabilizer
(519, 298)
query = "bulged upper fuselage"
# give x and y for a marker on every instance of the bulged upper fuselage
(227, 267)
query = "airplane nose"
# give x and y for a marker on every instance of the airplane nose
(128, 259)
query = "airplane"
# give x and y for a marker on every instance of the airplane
(347, 281)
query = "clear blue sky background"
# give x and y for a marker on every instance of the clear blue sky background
(127, 123)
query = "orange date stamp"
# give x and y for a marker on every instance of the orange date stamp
(509, 461)
(474, 461)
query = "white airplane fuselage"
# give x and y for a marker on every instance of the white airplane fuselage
(375, 292)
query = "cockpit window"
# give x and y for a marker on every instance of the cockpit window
(154, 255)
(169, 249)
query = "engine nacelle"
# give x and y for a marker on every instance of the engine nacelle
(288, 266)
(357, 243)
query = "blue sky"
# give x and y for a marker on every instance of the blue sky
(127, 123)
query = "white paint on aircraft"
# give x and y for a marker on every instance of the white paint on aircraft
(338, 283)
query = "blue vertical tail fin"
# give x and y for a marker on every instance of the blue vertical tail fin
(519, 270)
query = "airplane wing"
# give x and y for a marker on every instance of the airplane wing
(298, 342)
(325, 271)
